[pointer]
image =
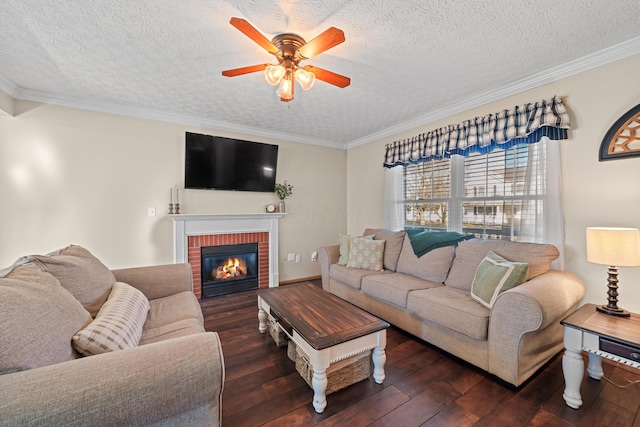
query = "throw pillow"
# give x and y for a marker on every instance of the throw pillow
(38, 318)
(81, 273)
(366, 253)
(494, 276)
(392, 246)
(118, 324)
(345, 247)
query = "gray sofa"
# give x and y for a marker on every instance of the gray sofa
(429, 297)
(166, 370)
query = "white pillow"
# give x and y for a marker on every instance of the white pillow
(117, 325)
(366, 253)
(345, 246)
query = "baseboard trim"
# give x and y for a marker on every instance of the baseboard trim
(302, 279)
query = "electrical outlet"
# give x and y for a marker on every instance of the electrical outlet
(151, 211)
(314, 257)
(291, 257)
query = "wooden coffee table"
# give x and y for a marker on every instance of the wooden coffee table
(326, 328)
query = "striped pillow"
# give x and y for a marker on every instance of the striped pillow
(117, 325)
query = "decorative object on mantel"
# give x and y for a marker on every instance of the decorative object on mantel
(623, 138)
(271, 208)
(174, 208)
(615, 247)
(283, 190)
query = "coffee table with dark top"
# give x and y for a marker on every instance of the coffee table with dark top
(326, 328)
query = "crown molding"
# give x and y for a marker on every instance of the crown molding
(146, 113)
(603, 57)
(585, 63)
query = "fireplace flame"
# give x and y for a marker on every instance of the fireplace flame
(232, 268)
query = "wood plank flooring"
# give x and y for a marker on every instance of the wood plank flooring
(424, 386)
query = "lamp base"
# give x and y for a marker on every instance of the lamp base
(613, 311)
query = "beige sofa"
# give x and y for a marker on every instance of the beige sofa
(429, 297)
(166, 370)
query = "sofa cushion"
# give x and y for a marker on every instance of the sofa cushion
(494, 276)
(394, 288)
(392, 247)
(38, 318)
(470, 253)
(351, 277)
(81, 273)
(118, 324)
(366, 254)
(345, 246)
(452, 308)
(433, 266)
(173, 308)
(173, 316)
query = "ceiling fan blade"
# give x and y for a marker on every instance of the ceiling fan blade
(328, 76)
(244, 70)
(255, 35)
(325, 41)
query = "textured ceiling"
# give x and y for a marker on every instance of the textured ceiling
(406, 59)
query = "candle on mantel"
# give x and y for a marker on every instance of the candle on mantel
(177, 201)
(170, 195)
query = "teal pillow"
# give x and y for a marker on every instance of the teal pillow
(495, 275)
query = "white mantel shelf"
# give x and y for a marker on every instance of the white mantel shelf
(185, 225)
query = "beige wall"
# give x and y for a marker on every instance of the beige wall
(82, 177)
(595, 193)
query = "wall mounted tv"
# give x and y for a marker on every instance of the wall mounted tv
(215, 162)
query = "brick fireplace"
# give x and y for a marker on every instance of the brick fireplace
(192, 232)
(197, 242)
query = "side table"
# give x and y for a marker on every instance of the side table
(601, 335)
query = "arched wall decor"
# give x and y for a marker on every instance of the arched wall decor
(623, 138)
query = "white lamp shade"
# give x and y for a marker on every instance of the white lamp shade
(613, 246)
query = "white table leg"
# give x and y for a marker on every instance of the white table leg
(319, 383)
(379, 358)
(262, 319)
(572, 367)
(594, 368)
(320, 361)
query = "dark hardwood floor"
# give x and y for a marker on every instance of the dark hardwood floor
(424, 386)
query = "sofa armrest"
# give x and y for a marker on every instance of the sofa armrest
(327, 255)
(137, 386)
(158, 281)
(536, 305)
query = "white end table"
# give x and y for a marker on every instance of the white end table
(601, 335)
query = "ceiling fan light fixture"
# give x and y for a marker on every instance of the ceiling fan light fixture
(305, 78)
(285, 90)
(274, 74)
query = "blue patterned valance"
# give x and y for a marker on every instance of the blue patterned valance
(525, 124)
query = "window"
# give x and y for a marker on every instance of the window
(498, 195)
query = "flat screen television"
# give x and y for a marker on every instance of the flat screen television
(215, 162)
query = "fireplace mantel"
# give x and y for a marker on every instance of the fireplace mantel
(185, 225)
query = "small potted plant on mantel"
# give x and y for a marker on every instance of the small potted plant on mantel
(283, 190)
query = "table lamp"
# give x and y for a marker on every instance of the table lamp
(615, 247)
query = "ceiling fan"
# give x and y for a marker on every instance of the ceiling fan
(290, 49)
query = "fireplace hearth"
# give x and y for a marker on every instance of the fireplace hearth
(229, 268)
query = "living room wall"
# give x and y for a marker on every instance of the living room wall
(87, 178)
(595, 193)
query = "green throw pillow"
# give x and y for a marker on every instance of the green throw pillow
(494, 276)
